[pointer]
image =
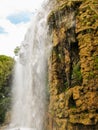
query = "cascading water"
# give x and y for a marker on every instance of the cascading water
(29, 87)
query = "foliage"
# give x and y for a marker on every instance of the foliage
(76, 75)
(6, 66)
(16, 50)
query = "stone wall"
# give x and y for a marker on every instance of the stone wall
(73, 66)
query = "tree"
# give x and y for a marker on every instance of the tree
(16, 50)
(6, 67)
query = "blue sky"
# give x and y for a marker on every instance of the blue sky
(15, 19)
(2, 31)
(20, 17)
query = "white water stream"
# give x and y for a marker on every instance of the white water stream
(29, 86)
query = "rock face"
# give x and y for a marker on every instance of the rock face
(73, 66)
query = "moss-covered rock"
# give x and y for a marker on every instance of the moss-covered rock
(73, 75)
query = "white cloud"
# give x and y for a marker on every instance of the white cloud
(13, 38)
(12, 6)
(15, 33)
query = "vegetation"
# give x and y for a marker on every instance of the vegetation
(76, 75)
(16, 50)
(6, 67)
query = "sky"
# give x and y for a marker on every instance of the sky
(15, 19)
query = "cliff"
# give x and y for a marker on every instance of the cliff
(73, 65)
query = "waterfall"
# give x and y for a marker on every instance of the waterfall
(29, 85)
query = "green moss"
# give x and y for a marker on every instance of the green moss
(95, 58)
(91, 74)
(66, 84)
(76, 74)
(96, 67)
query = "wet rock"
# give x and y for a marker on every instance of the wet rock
(74, 64)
